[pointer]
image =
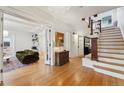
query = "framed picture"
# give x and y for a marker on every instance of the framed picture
(107, 20)
(59, 39)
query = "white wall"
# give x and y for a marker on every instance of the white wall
(22, 40)
(42, 41)
(120, 17)
(70, 40)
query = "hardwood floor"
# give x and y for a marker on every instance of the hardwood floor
(70, 74)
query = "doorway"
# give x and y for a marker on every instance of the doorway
(80, 46)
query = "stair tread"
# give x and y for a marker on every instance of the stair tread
(110, 41)
(111, 57)
(109, 28)
(111, 31)
(111, 63)
(111, 44)
(111, 48)
(110, 38)
(111, 53)
(110, 35)
(115, 36)
(109, 69)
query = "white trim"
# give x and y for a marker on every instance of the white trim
(49, 55)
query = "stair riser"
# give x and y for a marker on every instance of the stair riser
(109, 73)
(111, 55)
(104, 32)
(111, 40)
(109, 60)
(104, 29)
(110, 66)
(109, 30)
(110, 33)
(111, 46)
(111, 37)
(111, 43)
(110, 27)
(109, 50)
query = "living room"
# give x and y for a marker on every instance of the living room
(18, 36)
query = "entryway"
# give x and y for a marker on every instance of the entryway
(80, 46)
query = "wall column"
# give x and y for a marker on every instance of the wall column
(49, 55)
(1, 48)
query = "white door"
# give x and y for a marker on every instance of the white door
(80, 46)
(1, 48)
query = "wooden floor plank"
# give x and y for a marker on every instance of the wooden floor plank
(70, 74)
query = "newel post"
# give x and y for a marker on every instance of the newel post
(94, 47)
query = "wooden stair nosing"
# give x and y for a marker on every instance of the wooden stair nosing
(111, 57)
(114, 30)
(111, 53)
(110, 35)
(111, 45)
(109, 69)
(111, 48)
(110, 41)
(106, 62)
(118, 31)
(109, 28)
(110, 38)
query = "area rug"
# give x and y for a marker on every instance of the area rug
(13, 64)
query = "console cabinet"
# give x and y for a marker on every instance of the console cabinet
(61, 58)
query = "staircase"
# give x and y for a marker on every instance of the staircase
(110, 53)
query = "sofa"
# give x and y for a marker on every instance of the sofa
(27, 56)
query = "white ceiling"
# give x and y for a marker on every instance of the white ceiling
(12, 23)
(63, 17)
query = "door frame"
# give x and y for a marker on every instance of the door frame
(80, 36)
